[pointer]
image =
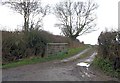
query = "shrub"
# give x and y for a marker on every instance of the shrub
(19, 44)
(13, 46)
(106, 66)
(36, 42)
(109, 47)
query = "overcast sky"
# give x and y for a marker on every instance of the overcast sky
(107, 17)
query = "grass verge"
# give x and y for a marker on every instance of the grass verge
(106, 66)
(34, 60)
(88, 53)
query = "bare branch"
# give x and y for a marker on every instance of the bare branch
(77, 17)
(30, 9)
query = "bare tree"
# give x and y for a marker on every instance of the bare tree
(30, 9)
(75, 18)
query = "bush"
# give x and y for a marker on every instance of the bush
(106, 66)
(36, 42)
(13, 46)
(19, 44)
(109, 47)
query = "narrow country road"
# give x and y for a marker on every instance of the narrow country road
(64, 70)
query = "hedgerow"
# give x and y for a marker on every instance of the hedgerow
(109, 47)
(17, 45)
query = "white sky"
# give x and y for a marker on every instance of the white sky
(107, 17)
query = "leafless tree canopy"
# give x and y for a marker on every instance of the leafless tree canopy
(75, 18)
(30, 9)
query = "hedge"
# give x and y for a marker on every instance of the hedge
(109, 47)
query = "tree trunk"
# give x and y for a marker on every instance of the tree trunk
(25, 23)
(26, 16)
(73, 37)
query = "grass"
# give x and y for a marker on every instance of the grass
(88, 53)
(34, 60)
(106, 66)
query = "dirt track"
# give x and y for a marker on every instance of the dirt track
(55, 71)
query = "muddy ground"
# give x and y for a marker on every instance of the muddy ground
(55, 71)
